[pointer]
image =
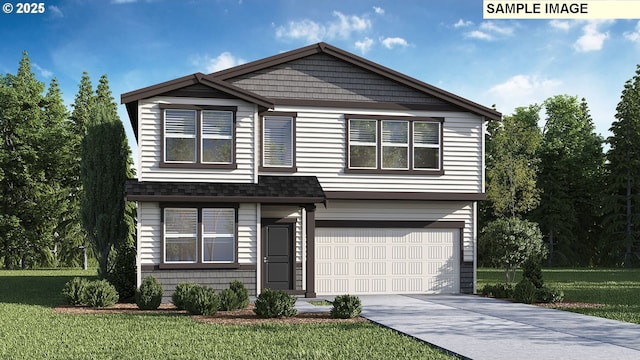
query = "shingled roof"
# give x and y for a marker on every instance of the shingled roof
(269, 189)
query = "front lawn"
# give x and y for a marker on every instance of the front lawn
(617, 290)
(30, 330)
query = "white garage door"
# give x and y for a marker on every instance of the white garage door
(387, 261)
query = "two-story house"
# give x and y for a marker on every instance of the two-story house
(314, 171)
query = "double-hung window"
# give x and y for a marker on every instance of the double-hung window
(199, 235)
(278, 142)
(394, 144)
(198, 136)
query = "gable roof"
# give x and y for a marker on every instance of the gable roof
(131, 98)
(324, 48)
(226, 82)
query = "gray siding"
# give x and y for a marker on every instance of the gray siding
(322, 77)
(215, 279)
(466, 277)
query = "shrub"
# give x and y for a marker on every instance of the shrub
(179, 297)
(100, 293)
(241, 292)
(499, 291)
(202, 300)
(507, 243)
(525, 292)
(275, 303)
(149, 296)
(123, 274)
(74, 291)
(532, 270)
(549, 295)
(235, 297)
(346, 307)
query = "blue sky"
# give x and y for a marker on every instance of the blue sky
(445, 43)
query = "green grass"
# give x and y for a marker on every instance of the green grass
(320, 303)
(618, 290)
(30, 330)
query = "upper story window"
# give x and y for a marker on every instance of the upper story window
(278, 142)
(394, 144)
(198, 136)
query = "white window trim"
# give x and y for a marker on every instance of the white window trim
(431, 146)
(359, 143)
(181, 136)
(406, 145)
(215, 137)
(177, 236)
(291, 142)
(200, 235)
(215, 235)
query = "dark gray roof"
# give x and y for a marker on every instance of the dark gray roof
(269, 189)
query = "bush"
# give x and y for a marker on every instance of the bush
(123, 274)
(532, 270)
(498, 291)
(346, 307)
(525, 292)
(74, 291)
(181, 293)
(149, 296)
(236, 297)
(275, 303)
(100, 293)
(549, 295)
(241, 292)
(202, 300)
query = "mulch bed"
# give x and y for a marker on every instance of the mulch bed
(238, 317)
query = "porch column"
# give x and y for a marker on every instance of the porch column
(311, 251)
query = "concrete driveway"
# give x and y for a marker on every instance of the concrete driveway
(482, 328)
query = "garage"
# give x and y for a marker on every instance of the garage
(364, 261)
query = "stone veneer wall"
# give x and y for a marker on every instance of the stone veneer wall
(215, 279)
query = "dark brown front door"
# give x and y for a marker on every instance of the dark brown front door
(278, 256)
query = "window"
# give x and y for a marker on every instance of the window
(199, 135)
(395, 144)
(363, 146)
(411, 144)
(180, 135)
(426, 145)
(199, 235)
(278, 142)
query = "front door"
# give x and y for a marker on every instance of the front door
(278, 256)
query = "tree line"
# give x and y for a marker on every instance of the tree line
(558, 178)
(62, 176)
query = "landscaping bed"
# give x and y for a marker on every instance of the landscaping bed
(236, 317)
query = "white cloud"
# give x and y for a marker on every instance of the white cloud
(592, 38)
(365, 45)
(391, 42)
(43, 72)
(341, 28)
(123, 1)
(55, 11)
(560, 24)
(522, 90)
(496, 29)
(489, 31)
(477, 34)
(378, 10)
(633, 35)
(223, 61)
(462, 23)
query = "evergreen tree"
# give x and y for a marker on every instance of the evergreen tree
(82, 108)
(623, 182)
(570, 173)
(104, 173)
